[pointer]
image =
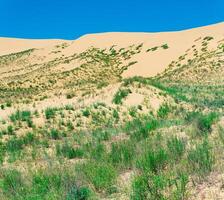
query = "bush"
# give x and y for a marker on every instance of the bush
(78, 193)
(140, 129)
(14, 144)
(176, 148)
(10, 130)
(12, 182)
(122, 154)
(200, 158)
(140, 188)
(22, 116)
(120, 95)
(203, 121)
(86, 113)
(50, 113)
(153, 160)
(101, 175)
(55, 134)
(68, 151)
(163, 111)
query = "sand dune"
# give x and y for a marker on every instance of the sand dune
(148, 63)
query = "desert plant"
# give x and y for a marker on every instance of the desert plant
(120, 95)
(176, 148)
(201, 159)
(101, 175)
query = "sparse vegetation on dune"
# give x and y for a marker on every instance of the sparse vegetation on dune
(137, 138)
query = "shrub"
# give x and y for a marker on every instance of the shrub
(78, 193)
(201, 159)
(165, 46)
(10, 130)
(50, 113)
(176, 148)
(14, 144)
(68, 151)
(163, 111)
(203, 121)
(98, 151)
(86, 113)
(120, 95)
(140, 188)
(12, 182)
(153, 160)
(140, 129)
(55, 134)
(122, 154)
(101, 175)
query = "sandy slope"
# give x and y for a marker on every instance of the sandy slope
(148, 63)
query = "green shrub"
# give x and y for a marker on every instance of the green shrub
(55, 134)
(203, 121)
(22, 116)
(140, 129)
(14, 144)
(10, 130)
(98, 151)
(101, 175)
(163, 111)
(140, 188)
(201, 159)
(120, 95)
(153, 160)
(68, 151)
(79, 193)
(165, 46)
(50, 113)
(176, 148)
(86, 113)
(122, 154)
(12, 182)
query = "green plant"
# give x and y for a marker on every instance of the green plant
(123, 154)
(140, 188)
(176, 148)
(86, 113)
(78, 193)
(50, 113)
(120, 95)
(12, 182)
(163, 111)
(68, 151)
(101, 175)
(153, 160)
(55, 134)
(201, 159)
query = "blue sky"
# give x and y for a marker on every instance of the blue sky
(70, 19)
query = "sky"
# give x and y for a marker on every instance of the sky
(70, 19)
